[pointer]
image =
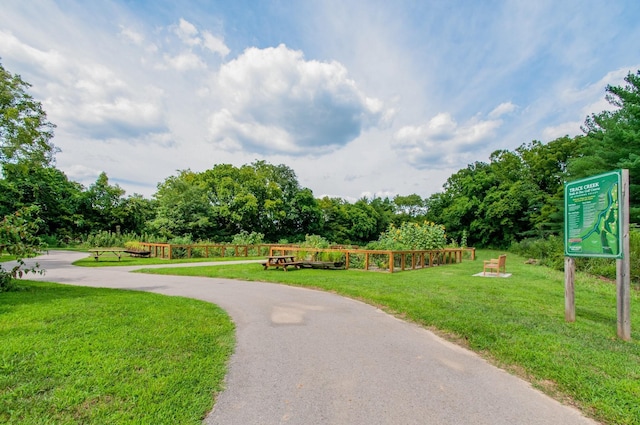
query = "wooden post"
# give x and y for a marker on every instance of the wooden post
(623, 266)
(346, 263)
(366, 261)
(569, 293)
(391, 259)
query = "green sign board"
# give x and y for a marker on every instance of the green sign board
(592, 220)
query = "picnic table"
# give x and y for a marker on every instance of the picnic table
(97, 252)
(282, 261)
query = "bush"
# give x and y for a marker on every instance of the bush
(550, 252)
(17, 238)
(412, 236)
(246, 238)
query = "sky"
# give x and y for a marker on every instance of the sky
(361, 98)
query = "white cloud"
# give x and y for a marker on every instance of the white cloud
(583, 102)
(185, 61)
(215, 44)
(278, 102)
(131, 35)
(442, 142)
(570, 128)
(502, 109)
(187, 32)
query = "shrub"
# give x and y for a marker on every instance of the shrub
(409, 236)
(17, 238)
(550, 252)
(246, 238)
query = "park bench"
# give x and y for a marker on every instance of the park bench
(138, 254)
(496, 264)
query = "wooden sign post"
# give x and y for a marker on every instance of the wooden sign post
(597, 225)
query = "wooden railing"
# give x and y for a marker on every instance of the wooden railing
(172, 251)
(375, 259)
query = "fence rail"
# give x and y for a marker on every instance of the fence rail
(172, 251)
(375, 259)
(351, 257)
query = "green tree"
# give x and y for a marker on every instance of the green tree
(612, 140)
(410, 208)
(25, 133)
(183, 208)
(58, 199)
(103, 205)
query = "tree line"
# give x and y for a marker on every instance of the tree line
(515, 195)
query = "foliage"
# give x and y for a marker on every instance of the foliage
(76, 355)
(549, 252)
(17, 238)
(109, 239)
(25, 133)
(315, 241)
(58, 199)
(225, 200)
(612, 140)
(246, 238)
(412, 236)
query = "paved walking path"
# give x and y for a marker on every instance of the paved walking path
(311, 357)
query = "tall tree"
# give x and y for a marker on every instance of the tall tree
(103, 205)
(58, 199)
(612, 140)
(25, 133)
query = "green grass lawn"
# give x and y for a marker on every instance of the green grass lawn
(74, 355)
(6, 257)
(516, 322)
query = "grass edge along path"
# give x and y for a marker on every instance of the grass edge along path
(126, 260)
(516, 323)
(73, 354)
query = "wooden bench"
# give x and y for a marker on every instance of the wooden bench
(138, 254)
(496, 264)
(282, 261)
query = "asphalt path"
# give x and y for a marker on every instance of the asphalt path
(312, 357)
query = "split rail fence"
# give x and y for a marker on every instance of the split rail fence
(354, 258)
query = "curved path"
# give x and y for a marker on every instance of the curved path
(310, 357)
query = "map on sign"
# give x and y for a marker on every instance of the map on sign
(592, 216)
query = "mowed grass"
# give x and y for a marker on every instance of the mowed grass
(75, 355)
(516, 322)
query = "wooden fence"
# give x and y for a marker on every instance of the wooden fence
(375, 259)
(351, 257)
(173, 251)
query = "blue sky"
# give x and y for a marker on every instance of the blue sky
(359, 98)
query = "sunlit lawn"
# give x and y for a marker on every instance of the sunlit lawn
(74, 355)
(516, 322)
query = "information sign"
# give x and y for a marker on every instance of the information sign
(593, 223)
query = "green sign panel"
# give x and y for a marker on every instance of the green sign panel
(592, 221)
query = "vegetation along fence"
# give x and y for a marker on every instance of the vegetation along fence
(173, 251)
(375, 259)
